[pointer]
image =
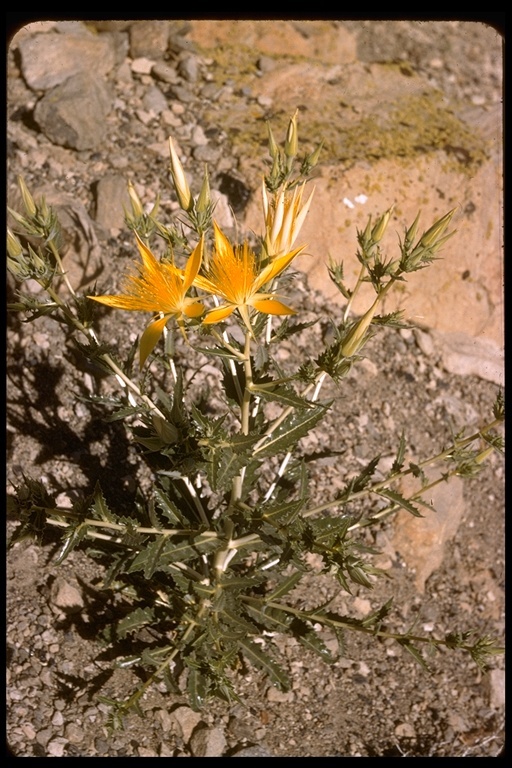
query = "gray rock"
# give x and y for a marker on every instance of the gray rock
(208, 742)
(50, 59)
(111, 196)
(187, 720)
(164, 72)
(149, 38)
(467, 356)
(65, 597)
(154, 100)
(189, 68)
(255, 751)
(74, 114)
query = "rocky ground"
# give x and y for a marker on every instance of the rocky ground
(90, 106)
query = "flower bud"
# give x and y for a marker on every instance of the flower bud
(165, 431)
(291, 145)
(137, 208)
(204, 199)
(355, 337)
(28, 200)
(483, 455)
(312, 159)
(14, 248)
(436, 230)
(273, 149)
(179, 180)
(381, 225)
(410, 234)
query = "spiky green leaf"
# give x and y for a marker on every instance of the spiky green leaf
(400, 500)
(100, 506)
(286, 586)
(291, 431)
(261, 660)
(171, 552)
(73, 536)
(134, 621)
(283, 395)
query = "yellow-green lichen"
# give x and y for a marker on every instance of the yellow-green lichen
(419, 123)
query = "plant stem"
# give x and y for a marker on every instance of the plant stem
(223, 557)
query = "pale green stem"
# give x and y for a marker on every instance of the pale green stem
(354, 292)
(277, 422)
(223, 557)
(376, 487)
(327, 621)
(245, 541)
(63, 274)
(288, 456)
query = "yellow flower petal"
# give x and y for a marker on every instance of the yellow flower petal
(276, 267)
(272, 307)
(194, 309)
(150, 337)
(119, 302)
(193, 264)
(218, 314)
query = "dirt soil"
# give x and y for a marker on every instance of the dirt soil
(375, 700)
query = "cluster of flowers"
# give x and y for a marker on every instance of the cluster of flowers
(235, 274)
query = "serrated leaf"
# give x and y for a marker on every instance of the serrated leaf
(197, 686)
(313, 642)
(223, 465)
(241, 625)
(399, 460)
(121, 413)
(173, 551)
(153, 554)
(291, 431)
(286, 329)
(72, 537)
(169, 681)
(261, 660)
(283, 395)
(168, 508)
(243, 441)
(397, 498)
(328, 530)
(415, 653)
(117, 565)
(217, 351)
(363, 478)
(286, 586)
(101, 507)
(241, 583)
(134, 621)
(282, 514)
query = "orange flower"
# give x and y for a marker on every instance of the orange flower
(159, 288)
(234, 274)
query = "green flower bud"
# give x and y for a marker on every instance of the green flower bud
(179, 180)
(410, 234)
(204, 199)
(436, 230)
(291, 145)
(28, 200)
(381, 225)
(272, 146)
